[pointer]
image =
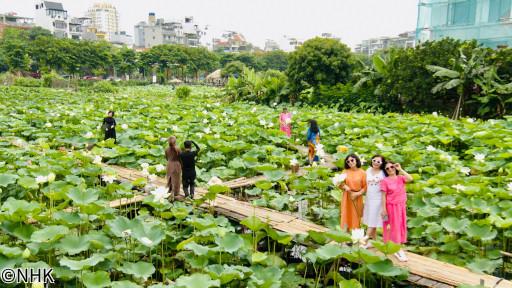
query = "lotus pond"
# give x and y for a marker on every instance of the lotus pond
(459, 207)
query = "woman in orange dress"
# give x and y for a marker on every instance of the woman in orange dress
(354, 186)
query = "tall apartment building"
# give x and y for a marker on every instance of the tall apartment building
(105, 19)
(370, 46)
(158, 31)
(271, 45)
(52, 16)
(487, 21)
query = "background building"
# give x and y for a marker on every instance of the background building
(11, 20)
(53, 17)
(271, 45)
(487, 21)
(122, 38)
(105, 19)
(370, 46)
(158, 31)
(231, 41)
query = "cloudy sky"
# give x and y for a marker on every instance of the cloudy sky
(350, 20)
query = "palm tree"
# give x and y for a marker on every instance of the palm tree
(463, 76)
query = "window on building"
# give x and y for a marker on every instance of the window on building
(463, 12)
(499, 10)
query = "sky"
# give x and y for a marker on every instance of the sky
(350, 20)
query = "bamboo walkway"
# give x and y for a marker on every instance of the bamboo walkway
(424, 271)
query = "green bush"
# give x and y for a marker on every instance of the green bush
(50, 79)
(104, 87)
(27, 82)
(134, 83)
(183, 91)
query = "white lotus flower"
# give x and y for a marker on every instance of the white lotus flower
(470, 120)
(231, 122)
(146, 241)
(434, 114)
(253, 109)
(97, 160)
(314, 164)
(51, 177)
(509, 187)
(294, 162)
(216, 104)
(152, 177)
(224, 114)
(144, 166)
(205, 112)
(217, 136)
(205, 121)
(446, 157)
(108, 178)
(124, 126)
(465, 170)
(127, 233)
(89, 135)
(214, 181)
(48, 124)
(207, 130)
(175, 127)
(270, 124)
(358, 236)
(459, 187)
(262, 122)
(379, 145)
(275, 104)
(159, 168)
(41, 179)
(431, 148)
(479, 157)
(160, 193)
(98, 127)
(338, 179)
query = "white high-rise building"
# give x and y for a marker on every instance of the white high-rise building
(104, 18)
(53, 17)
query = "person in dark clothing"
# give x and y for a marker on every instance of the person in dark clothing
(109, 124)
(188, 162)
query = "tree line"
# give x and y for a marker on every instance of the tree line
(451, 77)
(36, 50)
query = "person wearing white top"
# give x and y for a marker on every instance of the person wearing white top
(372, 207)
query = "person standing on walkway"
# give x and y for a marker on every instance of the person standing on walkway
(285, 122)
(172, 154)
(354, 186)
(372, 205)
(188, 162)
(394, 205)
(313, 138)
(109, 126)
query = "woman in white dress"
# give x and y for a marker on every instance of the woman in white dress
(371, 215)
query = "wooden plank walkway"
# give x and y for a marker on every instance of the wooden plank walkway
(424, 271)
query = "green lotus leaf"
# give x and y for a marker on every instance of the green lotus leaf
(386, 248)
(329, 251)
(482, 265)
(83, 196)
(352, 283)
(197, 249)
(49, 234)
(28, 183)
(386, 268)
(224, 273)
(230, 242)
(197, 281)
(481, 232)
(72, 244)
(274, 175)
(11, 252)
(81, 264)
(452, 224)
(98, 279)
(139, 269)
(253, 223)
(8, 179)
(125, 284)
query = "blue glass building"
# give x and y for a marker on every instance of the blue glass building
(487, 21)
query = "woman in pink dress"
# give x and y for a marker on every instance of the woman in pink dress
(285, 122)
(394, 215)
